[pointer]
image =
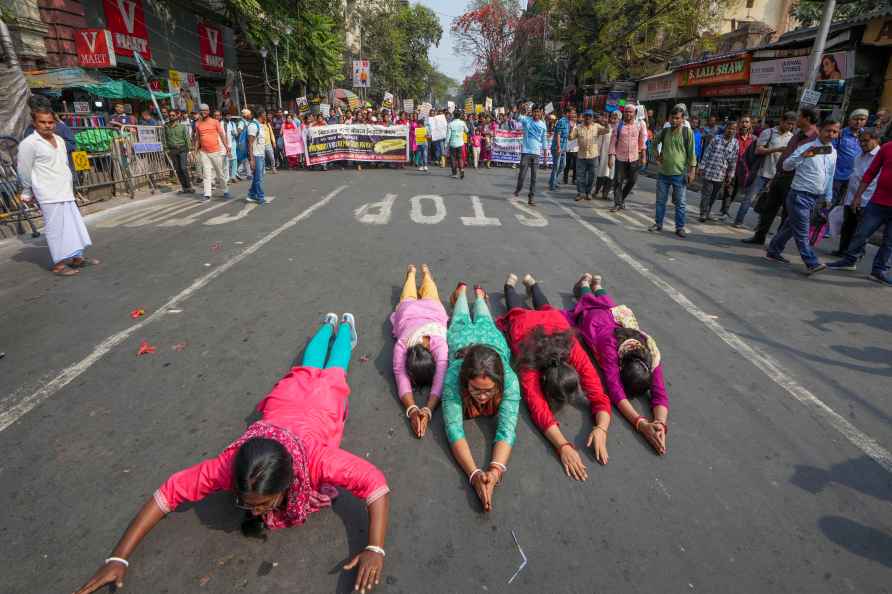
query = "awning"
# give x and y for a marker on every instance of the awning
(62, 78)
(122, 89)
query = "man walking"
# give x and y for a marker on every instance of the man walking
(178, 143)
(256, 156)
(560, 138)
(586, 137)
(877, 213)
(769, 146)
(533, 142)
(627, 155)
(814, 163)
(456, 132)
(870, 146)
(717, 168)
(676, 157)
(213, 150)
(45, 176)
(780, 185)
(847, 148)
(745, 138)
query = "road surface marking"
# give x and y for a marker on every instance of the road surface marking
(11, 414)
(531, 218)
(376, 213)
(762, 361)
(416, 212)
(245, 211)
(479, 219)
(131, 214)
(193, 218)
(162, 214)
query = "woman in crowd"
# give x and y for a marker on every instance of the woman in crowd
(552, 364)
(489, 130)
(628, 357)
(284, 467)
(291, 127)
(605, 171)
(420, 354)
(479, 382)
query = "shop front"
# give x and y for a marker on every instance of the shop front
(720, 86)
(660, 92)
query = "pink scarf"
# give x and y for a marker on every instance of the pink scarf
(301, 498)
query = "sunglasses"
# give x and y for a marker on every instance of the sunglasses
(240, 504)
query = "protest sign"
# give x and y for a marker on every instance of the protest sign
(450, 106)
(438, 127)
(549, 108)
(507, 145)
(469, 105)
(408, 105)
(387, 103)
(325, 109)
(294, 141)
(357, 142)
(303, 106)
(488, 104)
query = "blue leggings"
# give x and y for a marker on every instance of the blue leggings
(314, 355)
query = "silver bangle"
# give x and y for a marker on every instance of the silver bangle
(118, 560)
(375, 549)
(471, 476)
(410, 409)
(499, 465)
(425, 410)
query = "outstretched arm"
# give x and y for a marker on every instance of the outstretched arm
(113, 572)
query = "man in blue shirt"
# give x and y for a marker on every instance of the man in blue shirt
(559, 141)
(814, 163)
(455, 138)
(533, 143)
(847, 148)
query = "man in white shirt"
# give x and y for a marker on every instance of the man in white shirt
(770, 144)
(815, 165)
(256, 155)
(870, 146)
(45, 176)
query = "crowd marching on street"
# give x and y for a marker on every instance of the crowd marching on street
(816, 174)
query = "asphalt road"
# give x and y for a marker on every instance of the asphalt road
(777, 479)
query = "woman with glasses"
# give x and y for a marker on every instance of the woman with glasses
(552, 364)
(629, 358)
(285, 466)
(479, 382)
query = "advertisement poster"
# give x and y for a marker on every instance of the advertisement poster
(185, 87)
(95, 48)
(834, 66)
(361, 75)
(210, 44)
(438, 127)
(357, 142)
(506, 147)
(127, 22)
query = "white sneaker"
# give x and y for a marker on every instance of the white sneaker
(511, 280)
(425, 168)
(349, 319)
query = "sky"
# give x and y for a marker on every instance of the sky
(443, 56)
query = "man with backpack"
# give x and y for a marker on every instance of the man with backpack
(746, 160)
(678, 164)
(767, 148)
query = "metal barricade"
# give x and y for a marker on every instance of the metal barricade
(105, 175)
(144, 157)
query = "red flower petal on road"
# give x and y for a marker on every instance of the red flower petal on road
(145, 349)
(216, 246)
(179, 346)
(137, 313)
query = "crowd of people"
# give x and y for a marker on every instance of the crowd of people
(289, 464)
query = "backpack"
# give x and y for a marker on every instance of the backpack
(241, 152)
(688, 137)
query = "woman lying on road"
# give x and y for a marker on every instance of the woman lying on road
(629, 358)
(284, 467)
(552, 364)
(420, 354)
(479, 382)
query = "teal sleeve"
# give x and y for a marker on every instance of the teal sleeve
(508, 409)
(453, 418)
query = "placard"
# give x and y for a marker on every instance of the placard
(361, 74)
(81, 160)
(450, 106)
(408, 105)
(438, 127)
(488, 104)
(325, 109)
(507, 146)
(810, 97)
(549, 108)
(303, 106)
(185, 86)
(387, 102)
(81, 107)
(469, 105)
(425, 109)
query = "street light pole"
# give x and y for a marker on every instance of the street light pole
(278, 80)
(814, 62)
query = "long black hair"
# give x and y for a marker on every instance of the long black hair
(480, 360)
(420, 366)
(263, 467)
(549, 354)
(635, 366)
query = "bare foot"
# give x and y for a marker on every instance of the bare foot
(425, 270)
(459, 290)
(64, 270)
(480, 292)
(596, 282)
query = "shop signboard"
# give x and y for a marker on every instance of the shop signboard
(127, 22)
(810, 97)
(658, 87)
(94, 48)
(878, 32)
(210, 44)
(81, 107)
(834, 66)
(719, 72)
(730, 90)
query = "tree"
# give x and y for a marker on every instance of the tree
(809, 12)
(396, 41)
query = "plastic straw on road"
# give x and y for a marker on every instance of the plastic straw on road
(522, 556)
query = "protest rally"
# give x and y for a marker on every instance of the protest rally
(392, 296)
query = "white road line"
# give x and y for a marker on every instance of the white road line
(192, 218)
(128, 215)
(10, 415)
(767, 364)
(245, 211)
(166, 213)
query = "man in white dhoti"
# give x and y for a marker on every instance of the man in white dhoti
(45, 176)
